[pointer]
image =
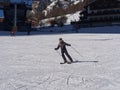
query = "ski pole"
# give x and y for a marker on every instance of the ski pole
(76, 51)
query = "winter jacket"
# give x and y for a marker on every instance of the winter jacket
(62, 45)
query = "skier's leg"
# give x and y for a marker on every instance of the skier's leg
(68, 56)
(64, 58)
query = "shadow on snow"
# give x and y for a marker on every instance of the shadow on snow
(85, 61)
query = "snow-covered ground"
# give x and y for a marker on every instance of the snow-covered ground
(73, 17)
(31, 63)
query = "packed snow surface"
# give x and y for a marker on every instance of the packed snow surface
(31, 63)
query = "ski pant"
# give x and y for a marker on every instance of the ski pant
(66, 53)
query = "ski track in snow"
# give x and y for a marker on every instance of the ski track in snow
(31, 63)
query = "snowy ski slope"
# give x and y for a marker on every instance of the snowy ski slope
(31, 63)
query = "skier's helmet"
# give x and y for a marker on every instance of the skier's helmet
(60, 38)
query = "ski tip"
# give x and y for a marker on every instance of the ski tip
(62, 63)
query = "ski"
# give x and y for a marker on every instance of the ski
(65, 63)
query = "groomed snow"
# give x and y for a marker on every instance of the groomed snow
(31, 63)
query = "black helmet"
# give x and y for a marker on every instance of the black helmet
(60, 38)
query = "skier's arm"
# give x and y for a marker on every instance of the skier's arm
(67, 44)
(57, 47)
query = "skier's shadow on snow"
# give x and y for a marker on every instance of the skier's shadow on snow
(85, 61)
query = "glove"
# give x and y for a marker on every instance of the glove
(55, 48)
(69, 44)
